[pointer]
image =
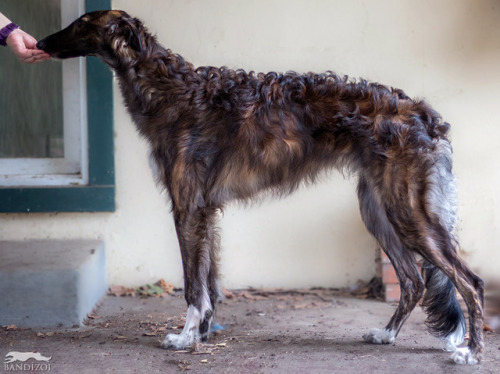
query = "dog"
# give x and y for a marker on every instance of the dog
(218, 134)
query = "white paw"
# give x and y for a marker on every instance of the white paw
(178, 341)
(189, 334)
(379, 336)
(464, 356)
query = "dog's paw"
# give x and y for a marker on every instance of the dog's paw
(178, 341)
(464, 356)
(190, 333)
(379, 336)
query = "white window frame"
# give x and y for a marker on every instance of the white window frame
(72, 169)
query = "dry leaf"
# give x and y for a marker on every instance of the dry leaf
(184, 366)
(246, 295)
(167, 287)
(150, 290)
(227, 294)
(301, 306)
(121, 291)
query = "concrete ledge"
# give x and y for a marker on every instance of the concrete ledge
(48, 283)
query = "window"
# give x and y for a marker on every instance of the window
(44, 122)
(56, 141)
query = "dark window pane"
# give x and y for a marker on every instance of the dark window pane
(31, 107)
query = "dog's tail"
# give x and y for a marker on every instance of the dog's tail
(445, 318)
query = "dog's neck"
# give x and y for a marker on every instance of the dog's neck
(153, 78)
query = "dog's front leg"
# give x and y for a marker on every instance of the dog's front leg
(197, 241)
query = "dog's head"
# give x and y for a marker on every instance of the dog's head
(106, 34)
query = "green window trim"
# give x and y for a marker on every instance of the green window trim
(99, 194)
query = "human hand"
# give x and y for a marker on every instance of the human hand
(23, 45)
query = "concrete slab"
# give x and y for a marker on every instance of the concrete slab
(47, 283)
(295, 332)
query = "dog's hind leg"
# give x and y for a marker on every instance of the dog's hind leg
(438, 246)
(444, 269)
(198, 243)
(445, 318)
(403, 260)
(423, 215)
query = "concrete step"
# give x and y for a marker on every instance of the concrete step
(50, 283)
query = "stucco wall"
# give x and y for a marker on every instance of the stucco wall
(446, 51)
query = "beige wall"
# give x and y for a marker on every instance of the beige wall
(446, 51)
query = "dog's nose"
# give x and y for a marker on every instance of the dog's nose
(41, 44)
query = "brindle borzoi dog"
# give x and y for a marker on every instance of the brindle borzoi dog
(218, 134)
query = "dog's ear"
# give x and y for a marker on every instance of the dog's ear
(134, 38)
(129, 31)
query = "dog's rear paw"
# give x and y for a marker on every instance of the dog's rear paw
(177, 341)
(379, 336)
(464, 356)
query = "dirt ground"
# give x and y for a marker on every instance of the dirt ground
(294, 331)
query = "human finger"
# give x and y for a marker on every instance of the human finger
(38, 58)
(33, 55)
